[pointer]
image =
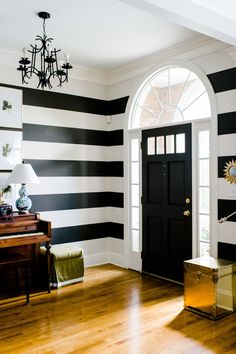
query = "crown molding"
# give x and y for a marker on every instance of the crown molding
(187, 50)
(200, 46)
(231, 51)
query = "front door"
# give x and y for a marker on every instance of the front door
(167, 200)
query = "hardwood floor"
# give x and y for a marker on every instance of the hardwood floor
(113, 311)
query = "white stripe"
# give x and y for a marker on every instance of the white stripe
(226, 190)
(71, 152)
(116, 184)
(117, 122)
(227, 232)
(226, 101)
(227, 145)
(63, 185)
(115, 215)
(73, 217)
(63, 118)
(116, 153)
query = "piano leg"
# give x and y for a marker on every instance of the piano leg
(48, 256)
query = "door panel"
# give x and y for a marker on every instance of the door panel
(154, 182)
(166, 181)
(176, 176)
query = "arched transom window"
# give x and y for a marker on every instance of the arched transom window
(170, 95)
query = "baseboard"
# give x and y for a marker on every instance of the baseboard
(117, 259)
(96, 259)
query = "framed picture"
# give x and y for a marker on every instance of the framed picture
(10, 108)
(10, 149)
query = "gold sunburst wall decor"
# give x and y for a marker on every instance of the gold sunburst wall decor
(230, 172)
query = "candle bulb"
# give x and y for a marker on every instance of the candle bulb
(24, 52)
(67, 58)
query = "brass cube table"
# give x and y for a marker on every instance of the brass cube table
(209, 286)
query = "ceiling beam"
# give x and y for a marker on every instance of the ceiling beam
(195, 15)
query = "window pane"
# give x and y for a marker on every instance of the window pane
(199, 109)
(160, 84)
(135, 218)
(204, 200)
(204, 227)
(204, 172)
(135, 195)
(135, 150)
(160, 145)
(170, 144)
(204, 249)
(134, 172)
(178, 77)
(151, 146)
(203, 143)
(143, 117)
(135, 241)
(180, 143)
(193, 89)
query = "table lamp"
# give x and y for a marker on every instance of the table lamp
(23, 173)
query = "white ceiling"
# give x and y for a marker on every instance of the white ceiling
(103, 34)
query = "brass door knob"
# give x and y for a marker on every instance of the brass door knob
(186, 213)
(187, 200)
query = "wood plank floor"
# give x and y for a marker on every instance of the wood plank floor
(113, 311)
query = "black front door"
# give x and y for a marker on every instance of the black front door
(167, 200)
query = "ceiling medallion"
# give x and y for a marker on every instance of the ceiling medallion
(44, 62)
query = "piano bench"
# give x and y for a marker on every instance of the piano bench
(16, 261)
(67, 264)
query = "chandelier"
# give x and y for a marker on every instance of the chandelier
(44, 63)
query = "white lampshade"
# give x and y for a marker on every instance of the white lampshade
(23, 173)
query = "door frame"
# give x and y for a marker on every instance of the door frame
(134, 261)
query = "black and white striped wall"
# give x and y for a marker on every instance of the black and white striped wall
(77, 152)
(224, 85)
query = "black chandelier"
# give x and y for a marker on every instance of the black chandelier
(47, 64)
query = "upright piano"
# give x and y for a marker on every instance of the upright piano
(24, 234)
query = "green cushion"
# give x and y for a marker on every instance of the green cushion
(67, 264)
(64, 251)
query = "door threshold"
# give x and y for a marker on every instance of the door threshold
(163, 278)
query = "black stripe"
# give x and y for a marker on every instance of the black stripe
(60, 168)
(223, 80)
(117, 105)
(225, 208)
(227, 123)
(222, 160)
(227, 251)
(51, 202)
(87, 232)
(115, 137)
(40, 98)
(46, 133)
